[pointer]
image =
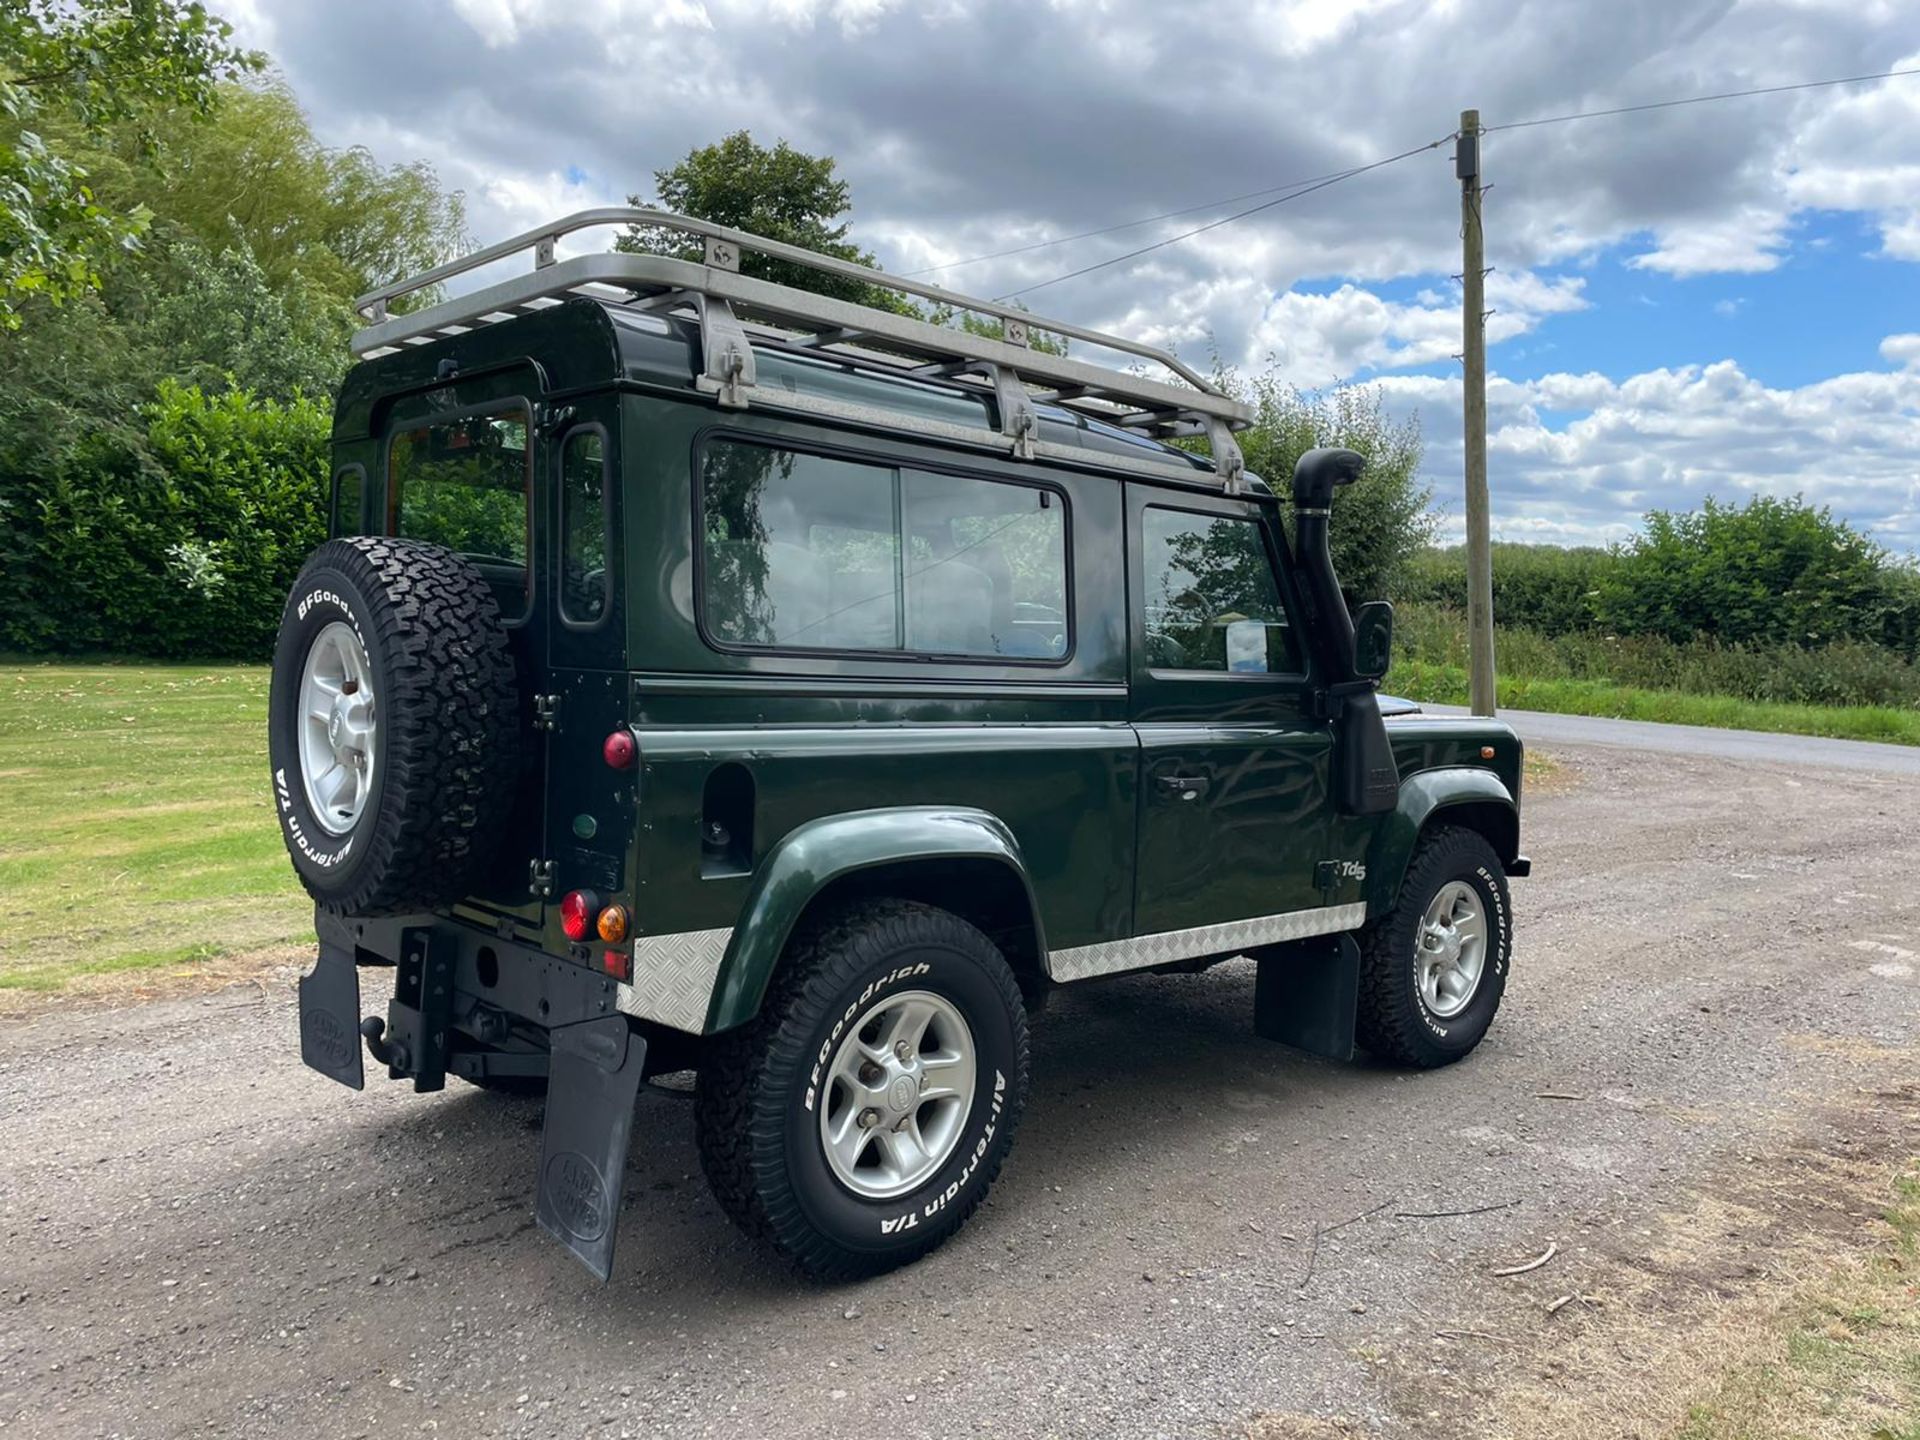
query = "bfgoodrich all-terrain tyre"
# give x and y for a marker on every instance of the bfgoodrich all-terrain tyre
(1433, 968)
(393, 725)
(857, 1122)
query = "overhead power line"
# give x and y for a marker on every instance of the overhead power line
(1333, 179)
(1297, 188)
(1701, 99)
(1123, 225)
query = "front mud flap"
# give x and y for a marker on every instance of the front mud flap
(1306, 994)
(330, 1016)
(593, 1085)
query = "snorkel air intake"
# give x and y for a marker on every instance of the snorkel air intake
(1366, 780)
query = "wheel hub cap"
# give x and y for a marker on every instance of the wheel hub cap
(896, 1094)
(338, 728)
(1452, 954)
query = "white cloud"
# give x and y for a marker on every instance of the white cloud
(1666, 439)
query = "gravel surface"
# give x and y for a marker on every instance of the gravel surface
(203, 1238)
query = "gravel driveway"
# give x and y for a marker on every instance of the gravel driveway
(1197, 1233)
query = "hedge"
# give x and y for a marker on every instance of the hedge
(179, 543)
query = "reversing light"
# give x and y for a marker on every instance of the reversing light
(613, 924)
(578, 909)
(618, 749)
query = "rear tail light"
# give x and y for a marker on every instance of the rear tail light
(578, 910)
(613, 924)
(618, 749)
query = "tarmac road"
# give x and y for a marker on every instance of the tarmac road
(1715, 966)
(1560, 731)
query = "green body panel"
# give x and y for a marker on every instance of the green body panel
(821, 851)
(1440, 769)
(1073, 775)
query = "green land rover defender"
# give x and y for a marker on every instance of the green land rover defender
(711, 674)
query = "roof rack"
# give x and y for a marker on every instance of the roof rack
(735, 312)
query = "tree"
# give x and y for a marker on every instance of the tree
(1381, 521)
(78, 68)
(1767, 572)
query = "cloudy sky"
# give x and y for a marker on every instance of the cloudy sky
(1715, 299)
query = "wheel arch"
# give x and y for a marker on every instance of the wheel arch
(1472, 798)
(960, 859)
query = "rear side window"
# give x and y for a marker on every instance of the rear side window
(467, 484)
(583, 527)
(813, 552)
(349, 494)
(1211, 598)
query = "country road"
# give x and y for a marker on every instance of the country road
(1705, 1062)
(1536, 726)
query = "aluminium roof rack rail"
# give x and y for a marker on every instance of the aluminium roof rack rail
(735, 312)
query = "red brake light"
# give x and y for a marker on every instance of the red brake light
(578, 909)
(618, 749)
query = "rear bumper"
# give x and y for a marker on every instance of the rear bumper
(481, 1008)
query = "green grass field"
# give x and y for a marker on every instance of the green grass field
(136, 831)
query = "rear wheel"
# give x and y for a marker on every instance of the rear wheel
(1433, 969)
(857, 1122)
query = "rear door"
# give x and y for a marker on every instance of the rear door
(462, 467)
(1233, 807)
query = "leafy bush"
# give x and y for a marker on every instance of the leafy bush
(1381, 522)
(183, 545)
(1846, 672)
(1544, 587)
(1769, 572)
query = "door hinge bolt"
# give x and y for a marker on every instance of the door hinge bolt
(540, 879)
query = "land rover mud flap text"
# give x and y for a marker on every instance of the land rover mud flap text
(594, 1082)
(330, 1016)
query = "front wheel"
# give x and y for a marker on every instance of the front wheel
(1433, 969)
(860, 1119)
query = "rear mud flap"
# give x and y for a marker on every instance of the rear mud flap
(593, 1084)
(1307, 994)
(330, 1016)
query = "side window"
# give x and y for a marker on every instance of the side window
(467, 484)
(986, 568)
(809, 552)
(1212, 600)
(349, 500)
(799, 550)
(583, 527)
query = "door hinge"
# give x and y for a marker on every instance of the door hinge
(540, 879)
(546, 712)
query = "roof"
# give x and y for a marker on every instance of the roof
(764, 344)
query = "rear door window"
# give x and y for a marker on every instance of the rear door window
(467, 484)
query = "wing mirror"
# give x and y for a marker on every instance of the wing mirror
(1372, 639)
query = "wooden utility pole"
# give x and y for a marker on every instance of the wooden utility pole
(1473, 355)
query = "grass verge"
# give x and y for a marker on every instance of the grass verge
(1847, 1362)
(1447, 685)
(137, 837)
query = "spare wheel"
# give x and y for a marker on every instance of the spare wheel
(393, 725)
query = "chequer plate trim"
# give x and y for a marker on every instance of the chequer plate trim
(1109, 957)
(674, 976)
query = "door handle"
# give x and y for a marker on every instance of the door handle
(1184, 787)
